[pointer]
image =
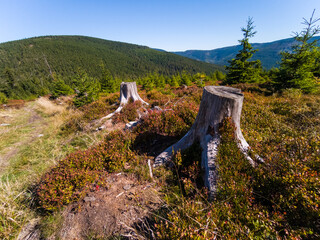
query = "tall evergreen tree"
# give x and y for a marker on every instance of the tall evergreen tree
(241, 70)
(300, 67)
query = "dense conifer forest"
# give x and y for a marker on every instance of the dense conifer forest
(29, 67)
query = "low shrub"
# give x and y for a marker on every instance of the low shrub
(84, 115)
(161, 128)
(172, 121)
(187, 111)
(165, 122)
(292, 93)
(278, 200)
(111, 99)
(188, 91)
(95, 110)
(75, 123)
(289, 185)
(157, 98)
(72, 177)
(128, 113)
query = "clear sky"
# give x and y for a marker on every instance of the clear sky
(172, 25)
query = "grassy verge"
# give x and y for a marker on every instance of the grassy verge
(35, 134)
(17, 129)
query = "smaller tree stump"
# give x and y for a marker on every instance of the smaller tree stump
(218, 102)
(128, 91)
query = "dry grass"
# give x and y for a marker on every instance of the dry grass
(18, 127)
(48, 107)
(12, 212)
(30, 145)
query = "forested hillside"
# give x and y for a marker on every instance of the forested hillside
(28, 66)
(268, 54)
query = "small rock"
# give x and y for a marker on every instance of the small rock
(127, 187)
(89, 199)
(40, 135)
(131, 124)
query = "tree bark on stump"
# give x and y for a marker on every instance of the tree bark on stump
(218, 102)
(128, 91)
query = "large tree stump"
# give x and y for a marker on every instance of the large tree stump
(128, 91)
(218, 102)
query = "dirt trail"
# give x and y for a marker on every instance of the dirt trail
(34, 121)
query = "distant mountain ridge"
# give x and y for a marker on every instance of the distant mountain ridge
(269, 53)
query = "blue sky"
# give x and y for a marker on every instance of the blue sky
(173, 25)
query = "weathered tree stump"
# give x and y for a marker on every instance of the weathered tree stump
(218, 102)
(128, 91)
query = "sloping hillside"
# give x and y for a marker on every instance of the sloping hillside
(269, 53)
(31, 60)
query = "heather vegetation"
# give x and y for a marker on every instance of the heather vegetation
(277, 200)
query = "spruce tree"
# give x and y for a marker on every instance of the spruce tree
(175, 80)
(87, 89)
(186, 79)
(60, 88)
(108, 83)
(219, 75)
(300, 67)
(241, 70)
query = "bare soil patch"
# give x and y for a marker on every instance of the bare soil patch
(117, 210)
